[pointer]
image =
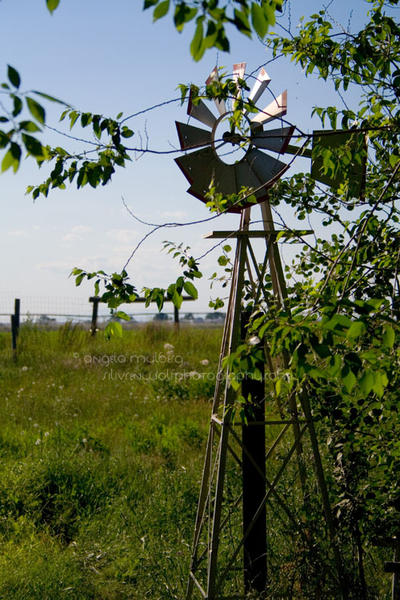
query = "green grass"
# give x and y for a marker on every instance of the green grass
(101, 454)
(101, 449)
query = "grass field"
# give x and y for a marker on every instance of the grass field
(101, 456)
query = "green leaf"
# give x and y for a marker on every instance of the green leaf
(11, 158)
(13, 76)
(177, 299)
(113, 329)
(269, 11)
(197, 47)
(120, 314)
(52, 5)
(79, 278)
(86, 118)
(367, 382)
(17, 106)
(323, 350)
(29, 126)
(388, 337)
(126, 132)
(32, 145)
(234, 382)
(258, 20)
(50, 98)
(37, 111)
(190, 289)
(356, 329)
(3, 139)
(380, 382)
(338, 322)
(161, 10)
(183, 14)
(242, 22)
(7, 162)
(149, 3)
(348, 379)
(73, 117)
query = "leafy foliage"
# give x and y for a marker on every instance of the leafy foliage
(26, 115)
(211, 17)
(339, 325)
(118, 290)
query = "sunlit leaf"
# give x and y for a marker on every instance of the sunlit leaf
(37, 111)
(52, 5)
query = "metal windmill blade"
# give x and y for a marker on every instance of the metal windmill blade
(256, 169)
(220, 104)
(262, 82)
(277, 108)
(238, 73)
(201, 112)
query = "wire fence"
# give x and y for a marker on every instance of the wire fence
(56, 310)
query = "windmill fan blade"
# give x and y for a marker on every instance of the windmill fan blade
(238, 73)
(276, 140)
(197, 195)
(220, 104)
(264, 166)
(247, 177)
(200, 112)
(192, 137)
(263, 80)
(201, 168)
(276, 109)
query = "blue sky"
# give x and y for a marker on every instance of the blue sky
(108, 57)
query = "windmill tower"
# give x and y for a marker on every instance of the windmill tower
(247, 458)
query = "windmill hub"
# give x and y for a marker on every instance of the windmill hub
(233, 138)
(229, 142)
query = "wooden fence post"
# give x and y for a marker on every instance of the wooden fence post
(176, 317)
(95, 300)
(15, 321)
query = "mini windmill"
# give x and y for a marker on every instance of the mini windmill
(231, 524)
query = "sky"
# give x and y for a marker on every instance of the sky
(108, 57)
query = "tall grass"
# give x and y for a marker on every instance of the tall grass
(101, 454)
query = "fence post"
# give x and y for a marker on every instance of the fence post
(15, 321)
(95, 300)
(176, 317)
(17, 312)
